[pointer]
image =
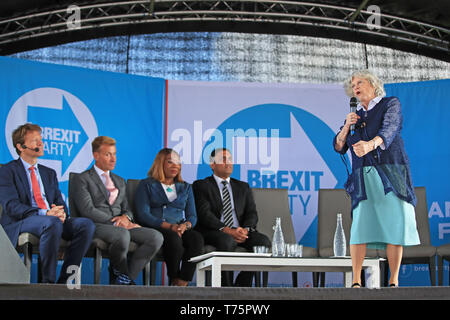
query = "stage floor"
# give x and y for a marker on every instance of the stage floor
(113, 292)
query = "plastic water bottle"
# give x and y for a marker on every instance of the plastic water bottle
(278, 247)
(339, 245)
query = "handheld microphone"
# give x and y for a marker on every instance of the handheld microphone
(34, 149)
(353, 104)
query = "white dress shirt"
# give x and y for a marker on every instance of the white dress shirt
(372, 104)
(172, 194)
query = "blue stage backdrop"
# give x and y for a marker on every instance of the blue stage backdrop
(426, 118)
(73, 106)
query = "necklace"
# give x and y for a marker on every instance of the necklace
(168, 187)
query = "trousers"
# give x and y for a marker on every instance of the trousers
(148, 240)
(50, 230)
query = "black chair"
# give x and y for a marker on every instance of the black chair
(443, 253)
(150, 268)
(424, 253)
(331, 202)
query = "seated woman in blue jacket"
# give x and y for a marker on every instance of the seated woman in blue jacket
(165, 202)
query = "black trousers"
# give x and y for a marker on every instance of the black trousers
(178, 251)
(225, 242)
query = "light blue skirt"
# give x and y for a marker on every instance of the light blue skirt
(382, 219)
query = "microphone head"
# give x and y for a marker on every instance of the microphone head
(353, 102)
(34, 149)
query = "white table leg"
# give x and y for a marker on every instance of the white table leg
(200, 276)
(348, 279)
(216, 280)
(375, 271)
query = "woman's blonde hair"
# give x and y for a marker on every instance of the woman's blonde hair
(369, 76)
(157, 169)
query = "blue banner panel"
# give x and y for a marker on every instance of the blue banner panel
(426, 119)
(426, 133)
(73, 106)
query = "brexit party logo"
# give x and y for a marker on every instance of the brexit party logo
(68, 128)
(273, 146)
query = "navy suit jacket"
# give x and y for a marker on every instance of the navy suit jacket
(153, 207)
(15, 195)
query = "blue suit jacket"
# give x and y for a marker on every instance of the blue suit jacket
(15, 195)
(153, 207)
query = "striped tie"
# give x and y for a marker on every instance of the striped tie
(227, 216)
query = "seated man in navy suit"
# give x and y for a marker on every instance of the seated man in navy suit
(32, 202)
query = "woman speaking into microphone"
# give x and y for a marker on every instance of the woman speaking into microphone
(380, 185)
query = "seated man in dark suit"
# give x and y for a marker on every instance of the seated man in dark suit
(100, 195)
(226, 213)
(32, 202)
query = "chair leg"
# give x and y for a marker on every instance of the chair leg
(152, 272)
(315, 276)
(294, 279)
(448, 274)
(432, 269)
(385, 273)
(440, 270)
(78, 278)
(146, 274)
(97, 265)
(27, 256)
(322, 279)
(39, 268)
(265, 278)
(363, 278)
(257, 279)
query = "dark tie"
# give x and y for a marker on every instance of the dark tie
(227, 215)
(36, 190)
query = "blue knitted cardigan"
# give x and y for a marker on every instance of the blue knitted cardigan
(392, 164)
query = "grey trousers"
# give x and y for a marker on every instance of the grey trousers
(149, 241)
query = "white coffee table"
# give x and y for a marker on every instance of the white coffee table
(218, 261)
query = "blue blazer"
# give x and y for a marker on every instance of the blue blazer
(153, 207)
(392, 164)
(15, 195)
